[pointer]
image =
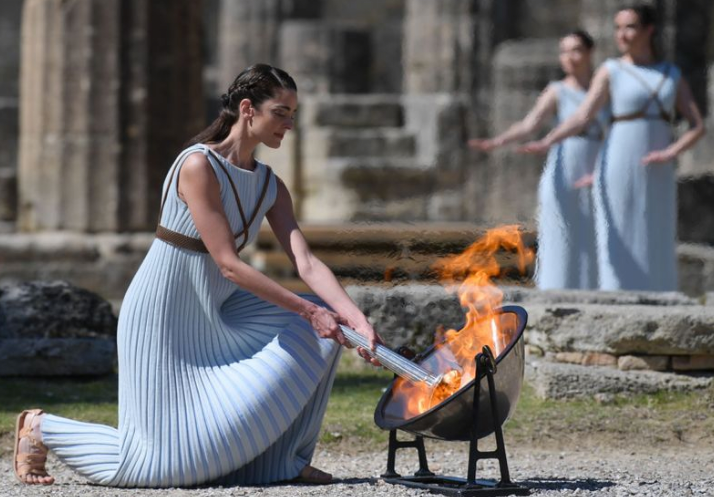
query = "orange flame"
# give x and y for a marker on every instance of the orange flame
(470, 274)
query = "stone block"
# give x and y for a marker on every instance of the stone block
(695, 208)
(361, 111)
(324, 57)
(370, 143)
(526, 296)
(53, 329)
(8, 194)
(571, 381)
(587, 358)
(643, 363)
(696, 268)
(693, 363)
(622, 330)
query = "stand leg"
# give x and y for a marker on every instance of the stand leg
(395, 444)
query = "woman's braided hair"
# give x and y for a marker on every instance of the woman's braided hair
(257, 83)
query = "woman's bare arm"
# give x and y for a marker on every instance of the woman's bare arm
(690, 111)
(544, 108)
(199, 188)
(311, 269)
(595, 99)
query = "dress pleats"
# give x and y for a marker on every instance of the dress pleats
(215, 384)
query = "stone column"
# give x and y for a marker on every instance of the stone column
(109, 91)
(9, 74)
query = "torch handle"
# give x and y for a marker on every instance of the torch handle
(391, 360)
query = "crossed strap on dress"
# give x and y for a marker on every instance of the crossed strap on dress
(196, 244)
(654, 97)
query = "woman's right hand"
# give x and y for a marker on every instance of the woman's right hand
(484, 145)
(325, 323)
(538, 147)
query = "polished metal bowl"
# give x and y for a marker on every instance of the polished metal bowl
(452, 418)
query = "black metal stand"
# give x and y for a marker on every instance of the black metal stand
(451, 485)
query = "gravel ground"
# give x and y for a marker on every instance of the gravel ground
(668, 471)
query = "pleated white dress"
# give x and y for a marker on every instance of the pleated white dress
(566, 256)
(636, 205)
(215, 385)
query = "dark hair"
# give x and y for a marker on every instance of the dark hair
(584, 37)
(647, 15)
(257, 83)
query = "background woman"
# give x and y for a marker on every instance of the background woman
(635, 187)
(566, 235)
(223, 374)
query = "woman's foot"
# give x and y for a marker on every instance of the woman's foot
(30, 452)
(312, 476)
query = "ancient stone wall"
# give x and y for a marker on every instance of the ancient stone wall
(109, 91)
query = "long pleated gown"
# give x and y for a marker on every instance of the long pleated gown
(215, 384)
(636, 205)
(566, 256)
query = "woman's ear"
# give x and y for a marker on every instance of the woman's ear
(246, 108)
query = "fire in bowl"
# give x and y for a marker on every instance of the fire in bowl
(415, 408)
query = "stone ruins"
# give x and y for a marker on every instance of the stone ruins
(97, 98)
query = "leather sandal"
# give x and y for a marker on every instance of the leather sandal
(33, 461)
(312, 476)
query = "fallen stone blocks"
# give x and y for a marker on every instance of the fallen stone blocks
(55, 329)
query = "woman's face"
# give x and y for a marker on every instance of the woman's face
(630, 35)
(574, 55)
(274, 117)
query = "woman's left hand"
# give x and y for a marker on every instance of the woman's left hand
(658, 157)
(539, 147)
(365, 329)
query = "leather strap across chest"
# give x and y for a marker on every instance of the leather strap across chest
(654, 97)
(196, 244)
(596, 125)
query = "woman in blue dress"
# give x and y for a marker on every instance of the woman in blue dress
(566, 234)
(224, 374)
(635, 186)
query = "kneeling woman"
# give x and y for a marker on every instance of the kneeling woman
(224, 374)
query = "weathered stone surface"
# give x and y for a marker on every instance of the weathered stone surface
(53, 309)
(643, 363)
(622, 330)
(57, 357)
(370, 111)
(94, 149)
(10, 11)
(696, 268)
(326, 58)
(8, 194)
(408, 315)
(695, 220)
(104, 263)
(523, 295)
(569, 381)
(693, 363)
(54, 328)
(587, 358)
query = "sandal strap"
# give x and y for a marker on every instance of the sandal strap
(31, 459)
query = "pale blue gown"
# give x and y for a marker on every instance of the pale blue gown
(215, 385)
(636, 205)
(566, 255)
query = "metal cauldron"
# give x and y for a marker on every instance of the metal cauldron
(452, 419)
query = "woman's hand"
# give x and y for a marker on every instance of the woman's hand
(658, 157)
(365, 329)
(584, 181)
(325, 323)
(484, 145)
(538, 147)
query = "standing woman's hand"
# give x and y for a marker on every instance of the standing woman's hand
(659, 157)
(484, 145)
(538, 147)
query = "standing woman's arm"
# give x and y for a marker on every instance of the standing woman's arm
(544, 108)
(687, 107)
(595, 99)
(311, 269)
